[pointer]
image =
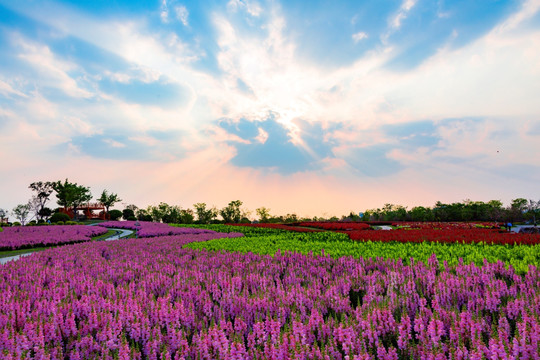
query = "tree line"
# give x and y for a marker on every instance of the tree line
(68, 195)
(73, 195)
(519, 210)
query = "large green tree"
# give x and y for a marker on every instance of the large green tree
(108, 200)
(71, 195)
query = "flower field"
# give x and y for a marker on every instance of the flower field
(19, 237)
(151, 229)
(210, 293)
(152, 299)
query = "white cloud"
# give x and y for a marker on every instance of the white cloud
(262, 136)
(182, 14)
(359, 36)
(51, 71)
(7, 90)
(402, 13)
(252, 7)
(527, 11)
(114, 143)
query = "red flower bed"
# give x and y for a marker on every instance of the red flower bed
(448, 225)
(347, 226)
(467, 236)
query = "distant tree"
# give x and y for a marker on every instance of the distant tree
(533, 208)
(128, 213)
(42, 192)
(517, 209)
(45, 213)
(143, 215)
(58, 216)
(232, 213)
(171, 214)
(290, 218)
(495, 210)
(204, 215)
(35, 207)
(71, 195)
(264, 214)
(21, 212)
(108, 200)
(420, 213)
(114, 214)
(186, 216)
(3, 216)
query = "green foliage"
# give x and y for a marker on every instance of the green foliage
(128, 213)
(16, 223)
(132, 218)
(264, 214)
(1, 229)
(108, 200)
(71, 223)
(115, 214)
(204, 215)
(21, 212)
(269, 241)
(71, 194)
(56, 217)
(232, 213)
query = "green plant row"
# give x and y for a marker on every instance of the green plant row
(269, 241)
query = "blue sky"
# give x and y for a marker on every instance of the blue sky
(317, 107)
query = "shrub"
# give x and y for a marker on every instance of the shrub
(16, 223)
(131, 218)
(145, 217)
(32, 223)
(56, 217)
(127, 214)
(1, 229)
(115, 214)
(59, 223)
(71, 223)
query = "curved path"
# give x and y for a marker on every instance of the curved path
(119, 233)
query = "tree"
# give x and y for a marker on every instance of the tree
(495, 210)
(35, 206)
(264, 214)
(43, 191)
(21, 213)
(232, 213)
(186, 216)
(71, 195)
(3, 216)
(533, 207)
(108, 200)
(128, 214)
(143, 215)
(115, 214)
(204, 215)
(517, 208)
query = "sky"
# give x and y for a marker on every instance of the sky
(316, 108)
